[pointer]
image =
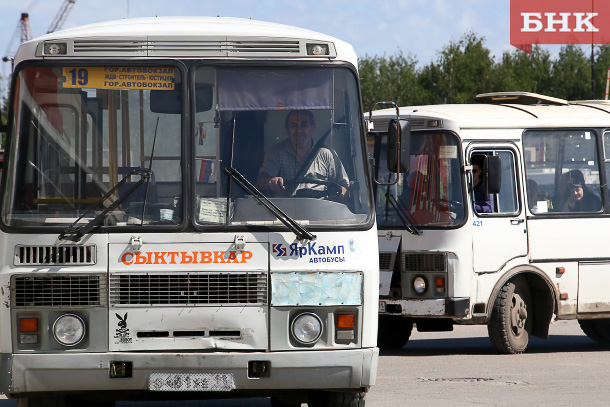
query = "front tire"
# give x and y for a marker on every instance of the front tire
(394, 331)
(509, 326)
(336, 399)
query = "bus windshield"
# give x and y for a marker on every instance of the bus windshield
(159, 145)
(430, 193)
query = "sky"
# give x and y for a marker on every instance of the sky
(419, 28)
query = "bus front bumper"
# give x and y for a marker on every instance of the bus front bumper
(341, 369)
(441, 307)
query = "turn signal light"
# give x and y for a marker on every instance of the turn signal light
(28, 325)
(345, 321)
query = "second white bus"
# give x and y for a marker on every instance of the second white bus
(540, 253)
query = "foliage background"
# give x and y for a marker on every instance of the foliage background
(466, 68)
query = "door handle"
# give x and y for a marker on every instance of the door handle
(517, 221)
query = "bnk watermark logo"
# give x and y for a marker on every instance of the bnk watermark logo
(558, 22)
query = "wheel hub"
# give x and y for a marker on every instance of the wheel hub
(518, 314)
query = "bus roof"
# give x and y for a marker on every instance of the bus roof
(188, 37)
(494, 116)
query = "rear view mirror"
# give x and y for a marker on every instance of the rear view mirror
(399, 139)
(170, 101)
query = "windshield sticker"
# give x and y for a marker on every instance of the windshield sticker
(447, 152)
(212, 210)
(113, 77)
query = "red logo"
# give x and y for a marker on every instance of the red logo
(558, 22)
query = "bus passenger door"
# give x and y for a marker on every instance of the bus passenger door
(501, 235)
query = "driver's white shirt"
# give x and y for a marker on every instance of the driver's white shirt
(281, 161)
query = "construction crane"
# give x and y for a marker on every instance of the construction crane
(61, 15)
(23, 31)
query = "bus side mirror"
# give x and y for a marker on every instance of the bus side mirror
(494, 174)
(399, 139)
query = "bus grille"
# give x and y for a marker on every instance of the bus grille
(55, 255)
(434, 262)
(115, 47)
(193, 47)
(385, 260)
(59, 291)
(188, 289)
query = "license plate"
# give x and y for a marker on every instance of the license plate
(191, 382)
(381, 306)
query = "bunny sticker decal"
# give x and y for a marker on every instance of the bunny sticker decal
(122, 332)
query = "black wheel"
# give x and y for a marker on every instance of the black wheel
(589, 327)
(42, 402)
(393, 331)
(282, 402)
(509, 326)
(336, 399)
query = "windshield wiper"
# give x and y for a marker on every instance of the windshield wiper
(404, 216)
(74, 233)
(250, 189)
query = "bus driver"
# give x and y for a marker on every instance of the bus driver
(295, 158)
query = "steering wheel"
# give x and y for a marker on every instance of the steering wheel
(332, 190)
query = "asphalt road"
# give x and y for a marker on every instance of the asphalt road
(461, 369)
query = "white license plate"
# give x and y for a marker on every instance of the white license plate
(191, 382)
(381, 306)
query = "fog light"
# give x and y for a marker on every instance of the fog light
(69, 329)
(307, 328)
(419, 285)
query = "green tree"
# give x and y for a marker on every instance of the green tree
(389, 78)
(602, 64)
(464, 69)
(571, 75)
(519, 71)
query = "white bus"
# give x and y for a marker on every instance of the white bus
(141, 259)
(537, 251)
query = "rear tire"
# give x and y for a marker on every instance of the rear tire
(509, 326)
(394, 331)
(336, 399)
(589, 327)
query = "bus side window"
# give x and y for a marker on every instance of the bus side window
(564, 167)
(505, 201)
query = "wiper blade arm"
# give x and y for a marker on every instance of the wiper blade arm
(405, 216)
(74, 233)
(247, 186)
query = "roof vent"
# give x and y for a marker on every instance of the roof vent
(518, 98)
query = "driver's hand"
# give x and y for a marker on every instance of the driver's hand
(276, 184)
(343, 191)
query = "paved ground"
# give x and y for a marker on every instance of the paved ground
(461, 369)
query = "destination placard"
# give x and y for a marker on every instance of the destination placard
(119, 77)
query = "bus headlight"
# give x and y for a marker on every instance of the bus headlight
(419, 285)
(306, 328)
(69, 329)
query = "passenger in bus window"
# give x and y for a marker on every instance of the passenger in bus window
(579, 197)
(297, 157)
(483, 202)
